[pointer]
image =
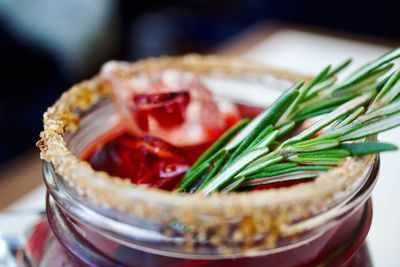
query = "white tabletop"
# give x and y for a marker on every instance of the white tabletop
(308, 53)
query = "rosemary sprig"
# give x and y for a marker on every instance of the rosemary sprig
(262, 151)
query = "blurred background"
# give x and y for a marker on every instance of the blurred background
(46, 46)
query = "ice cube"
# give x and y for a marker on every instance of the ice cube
(171, 104)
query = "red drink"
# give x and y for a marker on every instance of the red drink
(169, 127)
(152, 146)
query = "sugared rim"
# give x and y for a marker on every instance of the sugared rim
(260, 212)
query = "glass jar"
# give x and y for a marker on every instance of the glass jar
(98, 220)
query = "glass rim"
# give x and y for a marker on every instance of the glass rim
(273, 213)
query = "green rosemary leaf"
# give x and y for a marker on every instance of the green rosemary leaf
(382, 82)
(260, 164)
(371, 128)
(327, 157)
(268, 139)
(361, 73)
(261, 136)
(388, 92)
(328, 119)
(313, 92)
(338, 153)
(339, 68)
(191, 178)
(313, 114)
(365, 84)
(303, 92)
(279, 166)
(193, 188)
(335, 101)
(272, 114)
(233, 185)
(337, 133)
(215, 169)
(322, 76)
(286, 128)
(314, 160)
(329, 82)
(383, 111)
(354, 121)
(365, 148)
(311, 102)
(338, 121)
(236, 167)
(218, 144)
(312, 145)
(268, 116)
(195, 177)
(245, 144)
(350, 118)
(287, 170)
(299, 175)
(379, 84)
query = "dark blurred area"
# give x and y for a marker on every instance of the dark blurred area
(46, 45)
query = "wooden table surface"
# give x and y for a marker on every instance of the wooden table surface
(23, 174)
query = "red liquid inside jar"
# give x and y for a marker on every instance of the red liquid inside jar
(169, 119)
(144, 160)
